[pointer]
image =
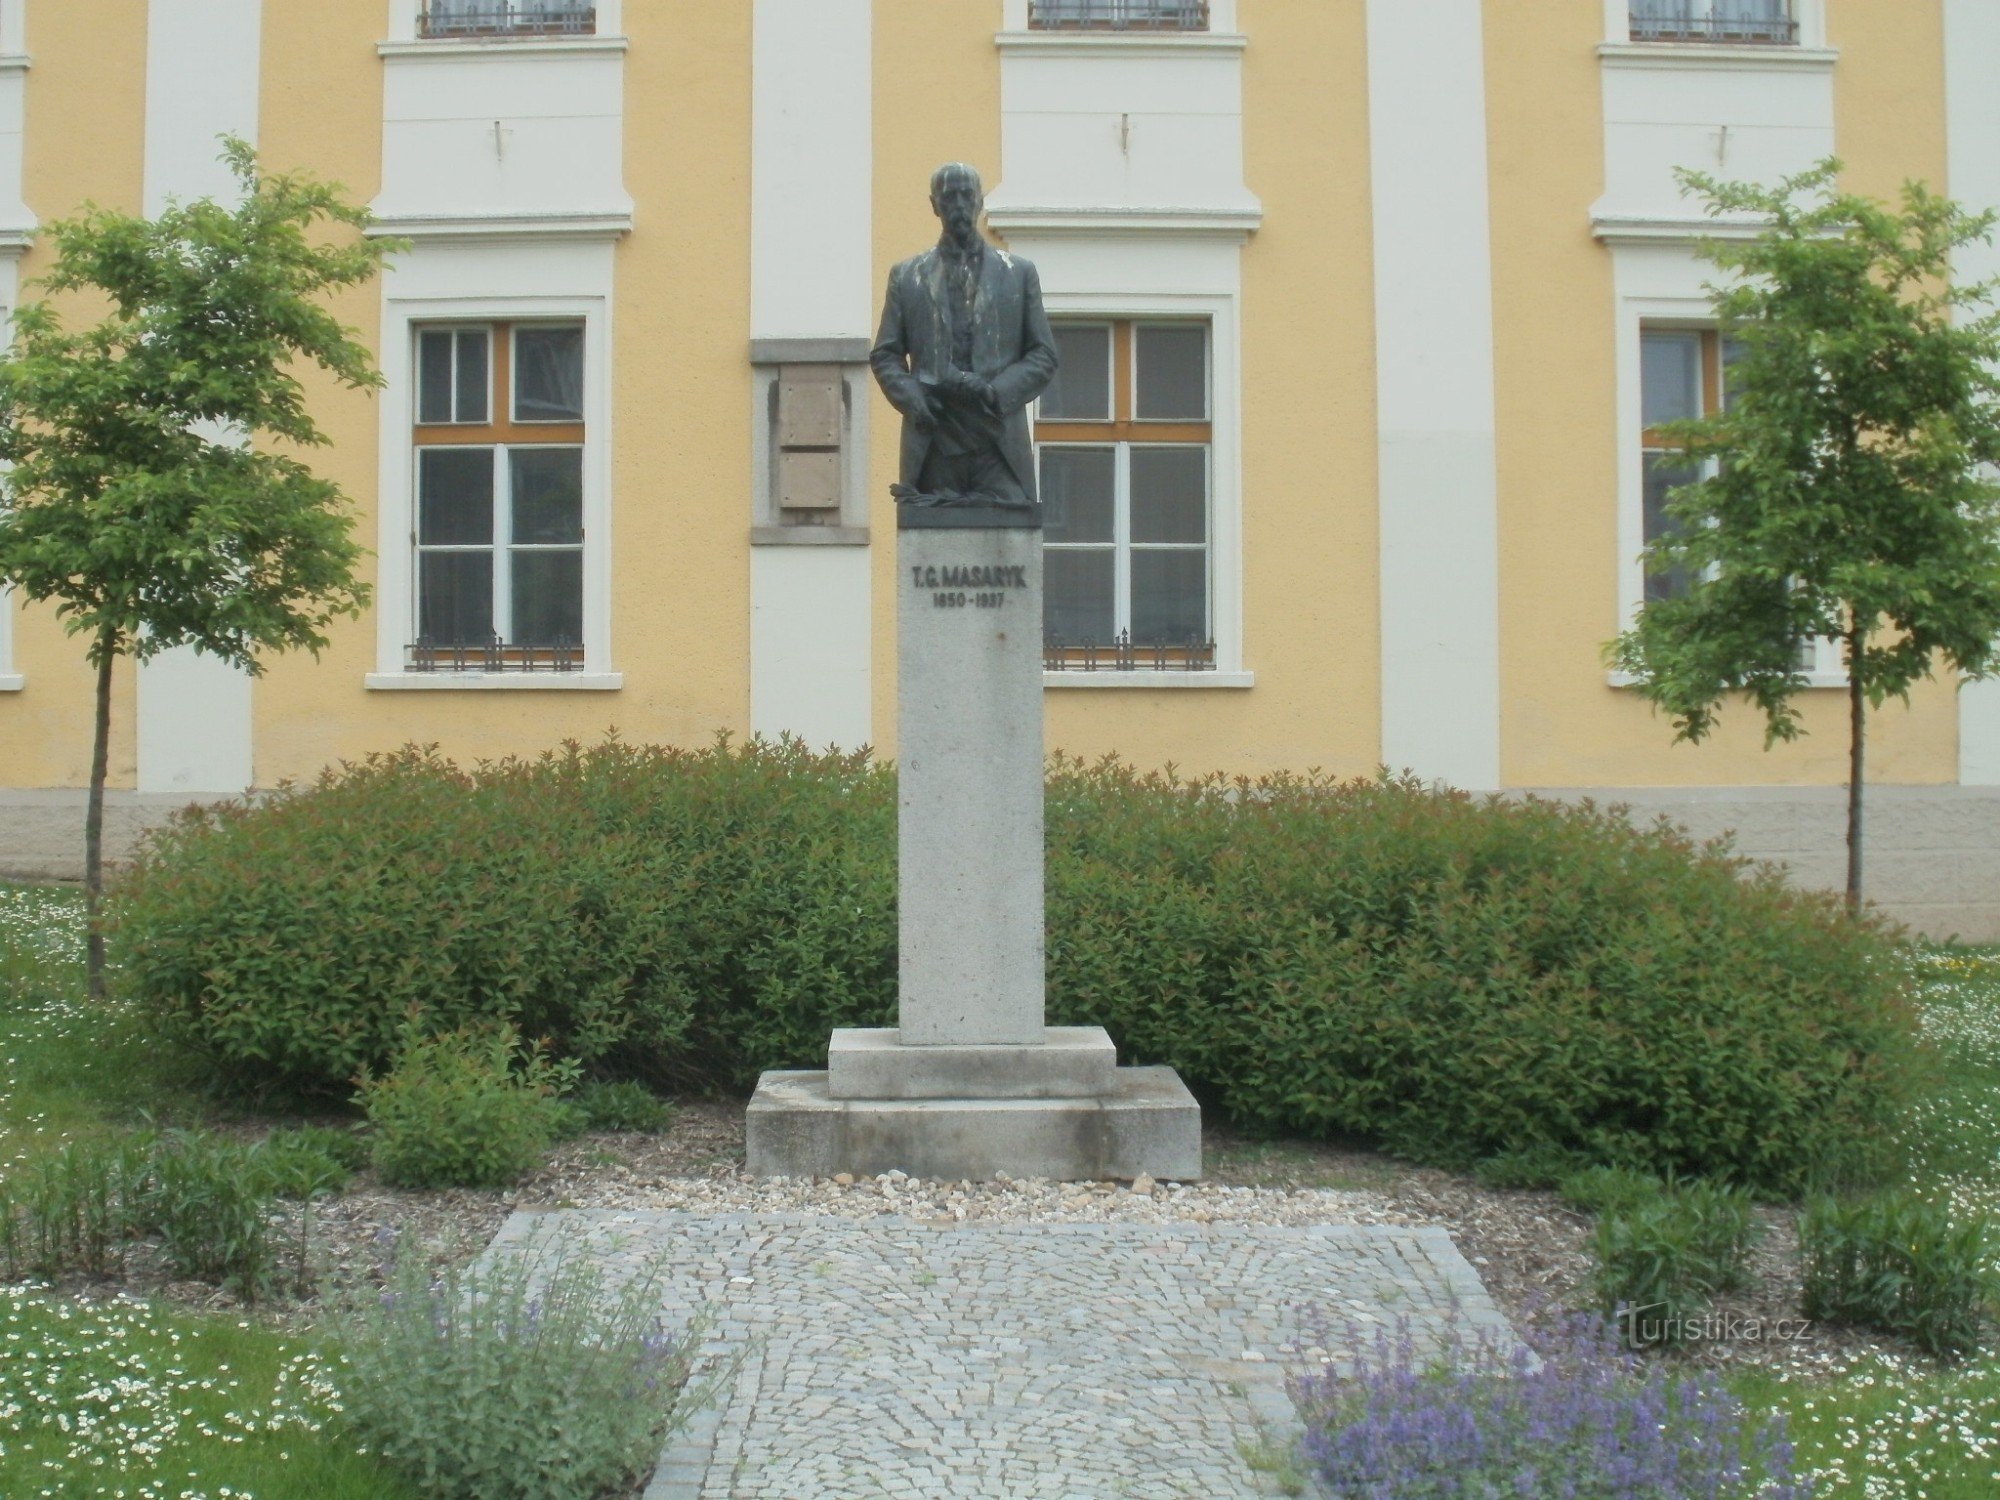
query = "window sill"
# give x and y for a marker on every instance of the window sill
(494, 682)
(808, 536)
(1062, 43)
(12, 682)
(1149, 678)
(509, 46)
(1813, 680)
(1737, 56)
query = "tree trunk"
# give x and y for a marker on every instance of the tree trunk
(93, 823)
(1856, 723)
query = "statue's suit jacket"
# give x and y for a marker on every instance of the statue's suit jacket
(1012, 349)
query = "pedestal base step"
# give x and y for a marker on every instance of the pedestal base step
(1148, 1123)
(1069, 1062)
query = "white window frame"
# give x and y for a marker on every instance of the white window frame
(404, 16)
(395, 592)
(1636, 315)
(1122, 545)
(1810, 14)
(1221, 22)
(10, 680)
(1225, 478)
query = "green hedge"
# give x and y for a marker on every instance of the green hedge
(1452, 978)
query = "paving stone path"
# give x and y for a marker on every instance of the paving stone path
(888, 1357)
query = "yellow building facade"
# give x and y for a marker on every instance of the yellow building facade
(1365, 305)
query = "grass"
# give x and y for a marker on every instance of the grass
(123, 1398)
(117, 1397)
(1909, 1429)
(66, 1071)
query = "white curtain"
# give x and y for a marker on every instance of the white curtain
(551, 375)
(1659, 12)
(1753, 10)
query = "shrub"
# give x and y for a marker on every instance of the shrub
(71, 1208)
(304, 1161)
(520, 1377)
(78, 1206)
(1455, 979)
(1606, 1190)
(1459, 978)
(1663, 1251)
(1563, 1411)
(463, 1109)
(1899, 1263)
(670, 916)
(210, 1205)
(620, 1106)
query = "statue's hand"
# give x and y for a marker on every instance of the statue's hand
(927, 410)
(973, 387)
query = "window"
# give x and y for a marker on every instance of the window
(498, 528)
(1124, 443)
(1755, 21)
(1684, 374)
(1118, 15)
(446, 18)
(1680, 379)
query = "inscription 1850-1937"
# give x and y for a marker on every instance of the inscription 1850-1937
(978, 585)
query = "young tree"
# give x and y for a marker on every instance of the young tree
(1848, 499)
(152, 487)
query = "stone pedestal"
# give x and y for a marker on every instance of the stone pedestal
(971, 1083)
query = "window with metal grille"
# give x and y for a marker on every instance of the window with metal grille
(448, 18)
(1754, 21)
(1124, 443)
(498, 536)
(1118, 15)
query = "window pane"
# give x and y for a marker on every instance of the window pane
(1081, 391)
(548, 494)
(455, 598)
(455, 496)
(1669, 377)
(1076, 494)
(548, 598)
(1660, 479)
(1732, 351)
(472, 374)
(1173, 372)
(548, 374)
(1076, 597)
(434, 375)
(1170, 494)
(1169, 597)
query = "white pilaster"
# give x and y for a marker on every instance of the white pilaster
(17, 225)
(1434, 391)
(812, 278)
(202, 77)
(1972, 138)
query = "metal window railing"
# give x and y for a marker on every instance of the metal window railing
(1124, 655)
(1118, 15)
(508, 18)
(494, 655)
(1656, 23)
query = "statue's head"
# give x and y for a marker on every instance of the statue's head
(956, 198)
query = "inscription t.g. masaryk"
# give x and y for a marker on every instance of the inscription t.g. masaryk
(963, 348)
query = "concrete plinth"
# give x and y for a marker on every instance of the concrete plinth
(1070, 1062)
(969, 785)
(1149, 1123)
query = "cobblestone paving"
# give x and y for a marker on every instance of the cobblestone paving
(893, 1358)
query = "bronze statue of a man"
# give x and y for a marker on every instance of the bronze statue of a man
(963, 348)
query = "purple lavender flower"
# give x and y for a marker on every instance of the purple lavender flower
(1564, 1411)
